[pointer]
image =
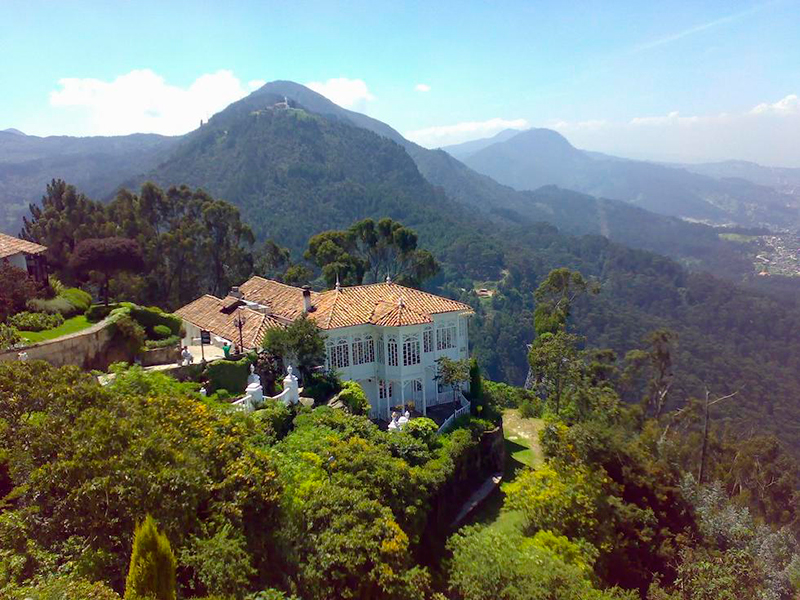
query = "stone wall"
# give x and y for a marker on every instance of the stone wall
(161, 356)
(92, 348)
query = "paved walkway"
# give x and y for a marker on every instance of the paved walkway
(478, 496)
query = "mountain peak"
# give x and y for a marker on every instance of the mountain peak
(12, 130)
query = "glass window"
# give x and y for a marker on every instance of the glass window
(392, 350)
(427, 340)
(363, 350)
(446, 336)
(410, 350)
(339, 354)
(380, 349)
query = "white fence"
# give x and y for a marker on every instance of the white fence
(464, 409)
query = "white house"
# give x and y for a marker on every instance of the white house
(24, 255)
(385, 336)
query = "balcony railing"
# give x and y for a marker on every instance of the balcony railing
(462, 410)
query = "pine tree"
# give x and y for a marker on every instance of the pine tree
(152, 570)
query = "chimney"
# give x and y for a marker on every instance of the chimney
(236, 293)
(307, 308)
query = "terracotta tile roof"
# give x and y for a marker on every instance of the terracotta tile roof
(281, 299)
(379, 304)
(10, 245)
(207, 312)
(391, 314)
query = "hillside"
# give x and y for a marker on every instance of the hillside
(96, 164)
(539, 157)
(695, 245)
(294, 173)
(99, 165)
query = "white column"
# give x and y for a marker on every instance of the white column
(424, 397)
(403, 393)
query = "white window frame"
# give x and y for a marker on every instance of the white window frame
(427, 340)
(446, 336)
(339, 354)
(385, 389)
(363, 350)
(411, 353)
(391, 358)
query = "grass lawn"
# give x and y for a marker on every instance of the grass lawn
(522, 450)
(69, 326)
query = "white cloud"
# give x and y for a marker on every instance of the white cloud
(255, 84)
(785, 106)
(347, 93)
(143, 102)
(422, 87)
(444, 135)
(767, 133)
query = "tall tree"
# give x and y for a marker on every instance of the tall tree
(301, 342)
(106, 256)
(64, 218)
(369, 252)
(555, 296)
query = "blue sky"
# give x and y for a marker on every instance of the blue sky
(671, 80)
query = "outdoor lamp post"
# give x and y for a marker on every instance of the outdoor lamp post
(239, 322)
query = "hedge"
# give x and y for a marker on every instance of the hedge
(172, 340)
(80, 299)
(150, 316)
(161, 332)
(35, 321)
(54, 306)
(230, 375)
(68, 303)
(98, 312)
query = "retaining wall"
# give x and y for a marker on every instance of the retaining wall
(92, 348)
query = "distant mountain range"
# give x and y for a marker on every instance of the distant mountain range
(300, 169)
(233, 167)
(754, 196)
(96, 165)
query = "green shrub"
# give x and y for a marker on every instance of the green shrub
(322, 386)
(62, 587)
(161, 332)
(221, 563)
(150, 317)
(228, 374)
(130, 331)
(80, 299)
(8, 336)
(530, 408)
(68, 303)
(55, 285)
(172, 340)
(57, 305)
(98, 312)
(354, 398)
(31, 321)
(152, 570)
(503, 395)
(277, 415)
(423, 429)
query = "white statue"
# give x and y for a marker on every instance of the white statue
(401, 422)
(253, 378)
(394, 424)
